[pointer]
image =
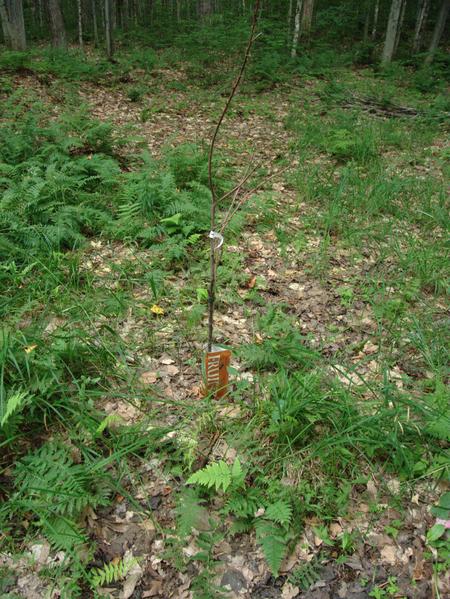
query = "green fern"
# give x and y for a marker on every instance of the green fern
(189, 512)
(218, 475)
(15, 401)
(51, 486)
(272, 539)
(279, 512)
(111, 573)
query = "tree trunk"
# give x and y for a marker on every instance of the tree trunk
(400, 25)
(108, 30)
(298, 12)
(204, 8)
(80, 25)
(94, 22)
(392, 30)
(307, 16)
(5, 24)
(57, 25)
(376, 12)
(11, 13)
(422, 15)
(367, 21)
(438, 30)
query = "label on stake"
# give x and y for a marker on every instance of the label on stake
(216, 370)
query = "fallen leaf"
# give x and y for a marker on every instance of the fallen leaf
(289, 591)
(148, 378)
(165, 359)
(155, 589)
(172, 370)
(251, 282)
(388, 554)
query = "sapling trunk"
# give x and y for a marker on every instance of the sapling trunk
(214, 201)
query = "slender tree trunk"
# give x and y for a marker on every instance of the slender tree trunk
(80, 25)
(205, 8)
(295, 38)
(422, 15)
(108, 30)
(307, 17)
(367, 20)
(376, 12)
(94, 22)
(289, 19)
(13, 25)
(59, 39)
(392, 30)
(438, 30)
(5, 24)
(400, 25)
(41, 14)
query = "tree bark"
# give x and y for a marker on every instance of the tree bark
(307, 17)
(108, 30)
(367, 20)
(11, 13)
(94, 22)
(376, 12)
(59, 39)
(5, 24)
(80, 25)
(438, 30)
(295, 38)
(422, 15)
(400, 25)
(392, 30)
(205, 8)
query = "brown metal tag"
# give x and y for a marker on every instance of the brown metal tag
(216, 370)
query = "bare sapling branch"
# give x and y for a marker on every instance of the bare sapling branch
(214, 202)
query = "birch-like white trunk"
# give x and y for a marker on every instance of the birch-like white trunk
(295, 38)
(392, 30)
(376, 12)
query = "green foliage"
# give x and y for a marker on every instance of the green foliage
(218, 475)
(111, 573)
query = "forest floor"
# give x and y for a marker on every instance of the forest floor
(331, 298)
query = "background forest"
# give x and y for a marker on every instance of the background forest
(324, 472)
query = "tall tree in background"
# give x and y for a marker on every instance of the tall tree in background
(80, 24)
(59, 39)
(298, 12)
(11, 13)
(422, 13)
(109, 29)
(205, 8)
(376, 12)
(393, 29)
(94, 22)
(438, 30)
(307, 17)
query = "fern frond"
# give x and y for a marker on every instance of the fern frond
(15, 401)
(271, 538)
(280, 512)
(216, 475)
(111, 573)
(189, 512)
